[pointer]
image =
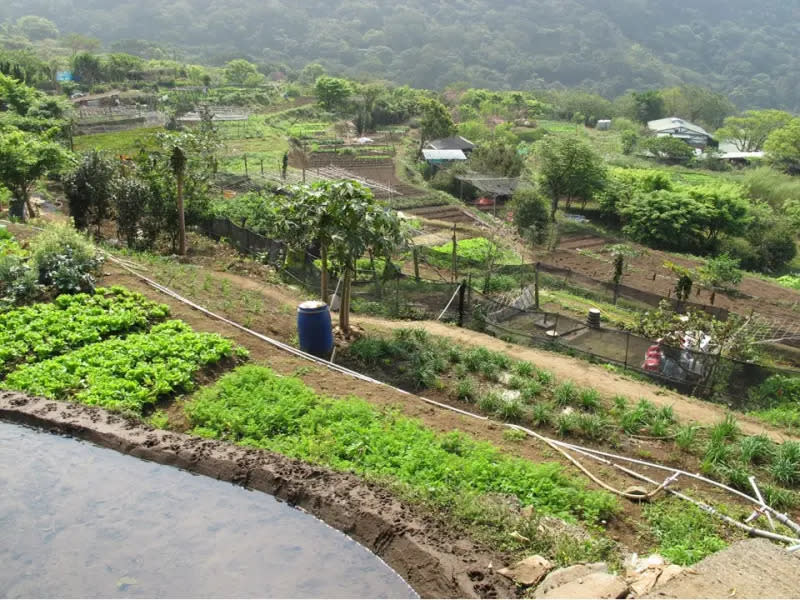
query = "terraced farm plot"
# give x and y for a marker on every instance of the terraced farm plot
(127, 374)
(44, 330)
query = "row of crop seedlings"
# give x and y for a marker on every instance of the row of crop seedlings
(113, 348)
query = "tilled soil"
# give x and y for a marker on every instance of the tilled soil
(434, 560)
(647, 272)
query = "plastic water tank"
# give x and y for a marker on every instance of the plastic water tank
(314, 328)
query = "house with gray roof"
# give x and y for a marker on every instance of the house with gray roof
(692, 134)
(452, 143)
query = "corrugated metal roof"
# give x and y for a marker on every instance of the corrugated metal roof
(675, 123)
(496, 186)
(444, 155)
(452, 143)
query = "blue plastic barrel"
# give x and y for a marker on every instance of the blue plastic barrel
(314, 328)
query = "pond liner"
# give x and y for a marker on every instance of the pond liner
(437, 561)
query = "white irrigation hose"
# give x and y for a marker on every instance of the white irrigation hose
(343, 370)
(449, 303)
(783, 518)
(705, 507)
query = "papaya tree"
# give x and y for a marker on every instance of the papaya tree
(346, 220)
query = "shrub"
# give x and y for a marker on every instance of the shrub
(542, 414)
(511, 410)
(727, 429)
(524, 368)
(594, 427)
(567, 423)
(490, 403)
(544, 377)
(634, 420)
(531, 390)
(779, 498)
(718, 453)
(491, 371)
(589, 398)
(785, 467)
(686, 437)
(65, 260)
(465, 390)
(659, 427)
(517, 383)
(19, 282)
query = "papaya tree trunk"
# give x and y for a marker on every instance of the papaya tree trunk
(181, 217)
(344, 309)
(323, 256)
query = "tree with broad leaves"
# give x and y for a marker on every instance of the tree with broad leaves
(783, 147)
(90, 189)
(348, 222)
(24, 158)
(749, 131)
(569, 168)
(435, 122)
(720, 274)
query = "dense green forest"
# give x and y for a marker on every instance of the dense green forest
(751, 52)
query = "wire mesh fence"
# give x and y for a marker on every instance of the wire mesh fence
(384, 289)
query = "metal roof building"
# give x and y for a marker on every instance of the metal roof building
(452, 143)
(683, 130)
(438, 156)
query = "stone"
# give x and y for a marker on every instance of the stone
(594, 585)
(529, 571)
(669, 573)
(645, 582)
(561, 577)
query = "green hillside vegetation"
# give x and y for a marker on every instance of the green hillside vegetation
(748, 51)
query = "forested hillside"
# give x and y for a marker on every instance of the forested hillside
(750, 51)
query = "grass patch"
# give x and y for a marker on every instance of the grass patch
(127, 143)
(685, 533)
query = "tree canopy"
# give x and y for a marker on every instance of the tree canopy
(569, 168)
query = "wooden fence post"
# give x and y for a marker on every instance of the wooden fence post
(536, 287)
(245, 165)
(455, 255)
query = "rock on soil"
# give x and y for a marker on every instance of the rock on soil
(582, 581)
(594, 585)
(529, 571)
(747, 569)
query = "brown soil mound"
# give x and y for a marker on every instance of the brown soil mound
(748, 569)
(435, 561)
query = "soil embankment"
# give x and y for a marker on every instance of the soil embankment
(434, 560)
(748, 569)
